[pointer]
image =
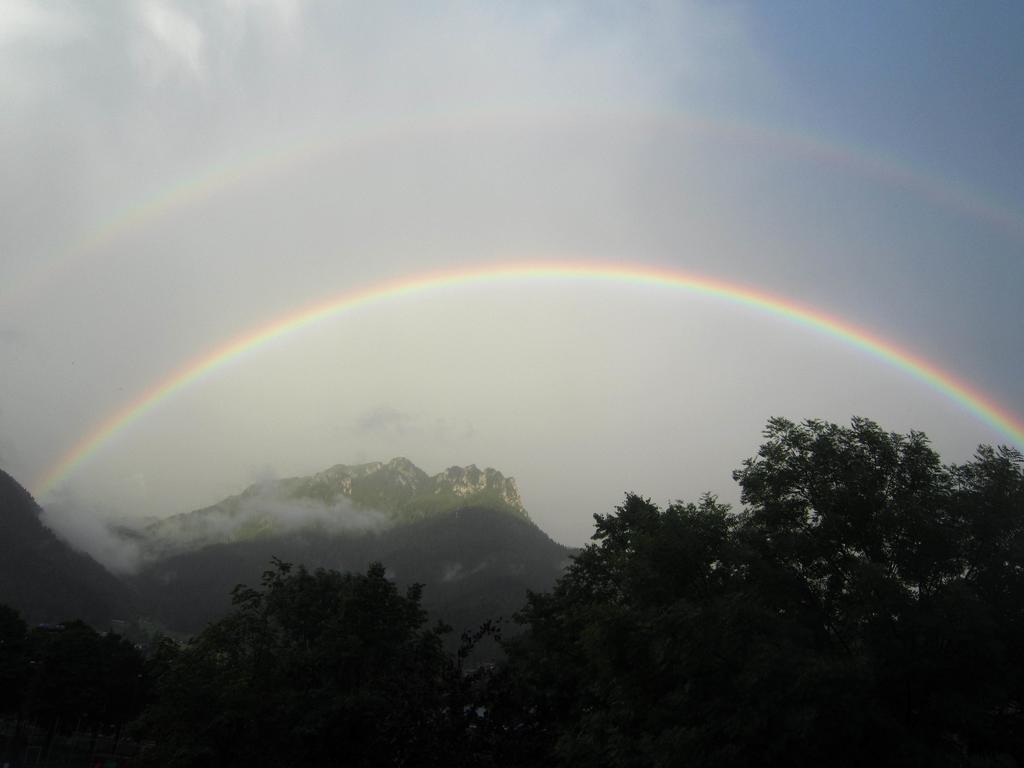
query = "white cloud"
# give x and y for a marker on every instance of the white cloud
(284, 13)
(24, 21)
(265, 155)
(172, 42)
(30, 32)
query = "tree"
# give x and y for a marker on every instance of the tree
(81, 677)
(14, 667)
(865, 607)
(14, 676)
(914, 569)
(318, 668)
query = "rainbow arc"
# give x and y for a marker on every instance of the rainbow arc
(959, 391)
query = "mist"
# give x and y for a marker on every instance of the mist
(124, 545)
(92, 531)
(266, 509)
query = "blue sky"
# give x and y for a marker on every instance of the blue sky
(935, 83)
(938, 87)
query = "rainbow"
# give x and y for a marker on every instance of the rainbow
(194, 189)
(972, 400)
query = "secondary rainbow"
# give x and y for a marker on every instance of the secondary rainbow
(268, 161)
(971, 399)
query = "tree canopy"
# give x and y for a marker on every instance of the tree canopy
(865, 607)
(318, 668)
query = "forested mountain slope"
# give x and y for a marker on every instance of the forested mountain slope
(476, 563)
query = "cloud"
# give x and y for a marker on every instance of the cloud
(456, 571)
(31, 33)
(384, 419)
(27, 21)
(179, 172)
(284, 15)
(13, 336)
(172, 43)
(287, 515)
(124, 545)
(90, 530)
(451, 572)
(268, 511)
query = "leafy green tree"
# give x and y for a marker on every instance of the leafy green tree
(317, 668)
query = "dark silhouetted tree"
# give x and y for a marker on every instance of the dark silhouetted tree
(318, 668)
(14, 660)
(865, 608)
(81, 678)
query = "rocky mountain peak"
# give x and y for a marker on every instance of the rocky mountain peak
(405, 471)
(469, 481)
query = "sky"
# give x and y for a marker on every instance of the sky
(178, 175)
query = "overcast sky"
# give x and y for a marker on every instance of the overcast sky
(175, 175)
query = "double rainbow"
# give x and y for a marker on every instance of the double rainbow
(971, 399)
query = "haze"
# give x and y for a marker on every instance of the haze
(176, 175)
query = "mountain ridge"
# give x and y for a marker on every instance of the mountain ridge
(463, 534)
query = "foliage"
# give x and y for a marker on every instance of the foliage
(58, 678)
(476, 564)
(866, 607)
(81, 676)
(313, 668)
(14, 660)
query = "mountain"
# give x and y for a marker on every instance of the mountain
(342, 499)
(476, 563)
(44, 578)
(463, 533)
